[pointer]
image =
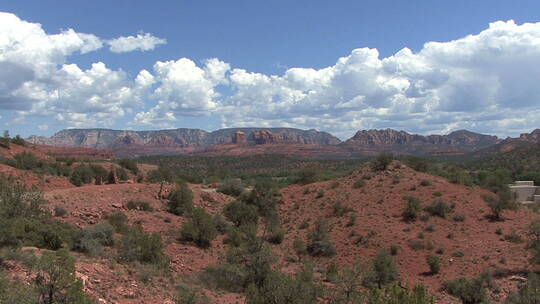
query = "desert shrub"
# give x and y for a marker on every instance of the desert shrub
(222, 226)
(231, 187)
(119, 221)
(458, 218)
(265, 196)
(27, 161)
(513, 237)
(18, 140)
(320, 193)
(498, 205)
(15, 292)
(200, 229)
(276, 234)
(417, 244)
(332, 273)
(394, 249)
(381, 162)
(240, 213)
(528, 293)
(307, 176)
(139, 205)
(319, 240)
(359, 184)
(299, 246)
(189, 295)
(395, 294)
(340, 210)
(469, 291)
(438, 208)
(228, 277)
(90, 239)
(434, 263)
(417, 163)
(82, 174)
(161, 174)
(411, 211)
(383, 270)
(121, 173)
(352, 220)
(334, 185)
(180, 200)
(55, 280)
(5, 140)
(138, 246)
(458, 254)
(59, 211)
(425, 183)
(129, 164)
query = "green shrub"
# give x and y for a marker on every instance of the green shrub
(119, 221)
(59, 211)
(240, 213)
(381, 162)
(18, 140)
(129, 164)
(222, 226)
(139, 205)
(359, 184)
(425, 183)
(190, 295)
(138, 246)
(181, 200)
(340, 210)
(528, 293)
(383, 270)
(438, 208)
(434, 263)
(394, 249)
(55, 280)
(469, 291)
(90, 239)
(458, 254)
(319, 240)
(411, 211)
(231, 187)
(299, 246)
(200, 229)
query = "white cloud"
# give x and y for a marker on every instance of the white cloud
(36, 80)
(485, 82)
(183, 89)
(142, 42)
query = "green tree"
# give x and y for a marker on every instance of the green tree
(56, 281)
(383, 270)
(181, 200)
(319, 241)
(200, 229)
(382, 161)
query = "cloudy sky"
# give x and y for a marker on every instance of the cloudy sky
(421, 66)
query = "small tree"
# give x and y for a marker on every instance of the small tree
(497, 206)
(469, 291)
(181, 200)
(319, 241)
(439, 208)
(200, 229)
(56, 281)
(434, 264)
(382, 161)
(411, 211)
(384, 270)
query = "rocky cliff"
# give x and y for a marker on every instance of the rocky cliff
(137, 143)
(376, 141)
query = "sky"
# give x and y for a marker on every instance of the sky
(427, 67)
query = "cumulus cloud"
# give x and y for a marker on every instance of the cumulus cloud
(485, 82)
(183, 89)
(142, 42)
(36, 80)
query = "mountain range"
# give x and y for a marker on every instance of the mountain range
(290, 141)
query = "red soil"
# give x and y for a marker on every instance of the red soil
(378, 207)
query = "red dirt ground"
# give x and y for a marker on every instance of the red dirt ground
(378, 207)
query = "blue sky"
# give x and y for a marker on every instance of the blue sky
(270, 63)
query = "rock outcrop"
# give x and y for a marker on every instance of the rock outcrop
(376, 141)
(127, 143)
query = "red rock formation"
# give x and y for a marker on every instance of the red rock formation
(263, 137)
(239, 138)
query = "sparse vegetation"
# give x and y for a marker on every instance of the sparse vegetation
(200, 229)
(319, 240)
